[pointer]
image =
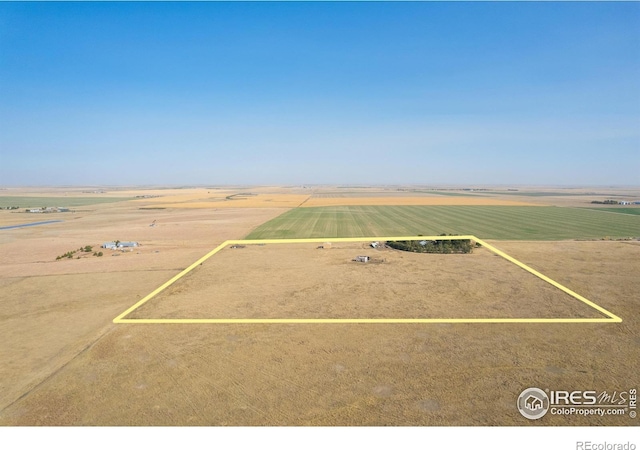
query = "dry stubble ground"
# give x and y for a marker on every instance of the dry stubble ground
(451, 374)
(300, 281)
(51, 310)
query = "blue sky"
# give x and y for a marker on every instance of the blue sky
(302, 93)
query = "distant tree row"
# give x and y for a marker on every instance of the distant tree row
(85, 249)
(606, 202)
(434, 246)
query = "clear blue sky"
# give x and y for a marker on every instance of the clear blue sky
(293, 93)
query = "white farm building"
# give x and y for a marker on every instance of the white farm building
(115, 245)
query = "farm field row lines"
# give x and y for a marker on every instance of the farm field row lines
(488, 222)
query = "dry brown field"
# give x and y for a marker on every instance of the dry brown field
(63, 361)
(300, 281)
(545, 196)
(423, 200)
(51, 310)
(252, 201)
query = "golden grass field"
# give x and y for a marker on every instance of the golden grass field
(300, 281)
(255, 201)
(198, 201)
(399, 201)
(65, 363)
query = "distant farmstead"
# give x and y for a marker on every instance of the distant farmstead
(48, 209)
(116, 245)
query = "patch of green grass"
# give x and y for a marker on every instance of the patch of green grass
(487, 222)
(632, 211)
(70, 202)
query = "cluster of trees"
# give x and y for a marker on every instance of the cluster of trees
(67, 255)
(85, 249)
(10, 207)
(437, 246)
(606, 202)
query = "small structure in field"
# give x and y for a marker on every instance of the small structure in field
(48, 209)
(362, 259)
(375, 244)
(117, 245)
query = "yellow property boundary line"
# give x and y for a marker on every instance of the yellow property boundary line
(610, 316)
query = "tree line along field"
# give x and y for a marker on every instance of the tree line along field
(487, 222)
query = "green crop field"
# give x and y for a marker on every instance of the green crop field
(487, 222)
(70, 202)
(632, 211)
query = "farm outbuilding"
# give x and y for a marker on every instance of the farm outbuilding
(116, 245)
